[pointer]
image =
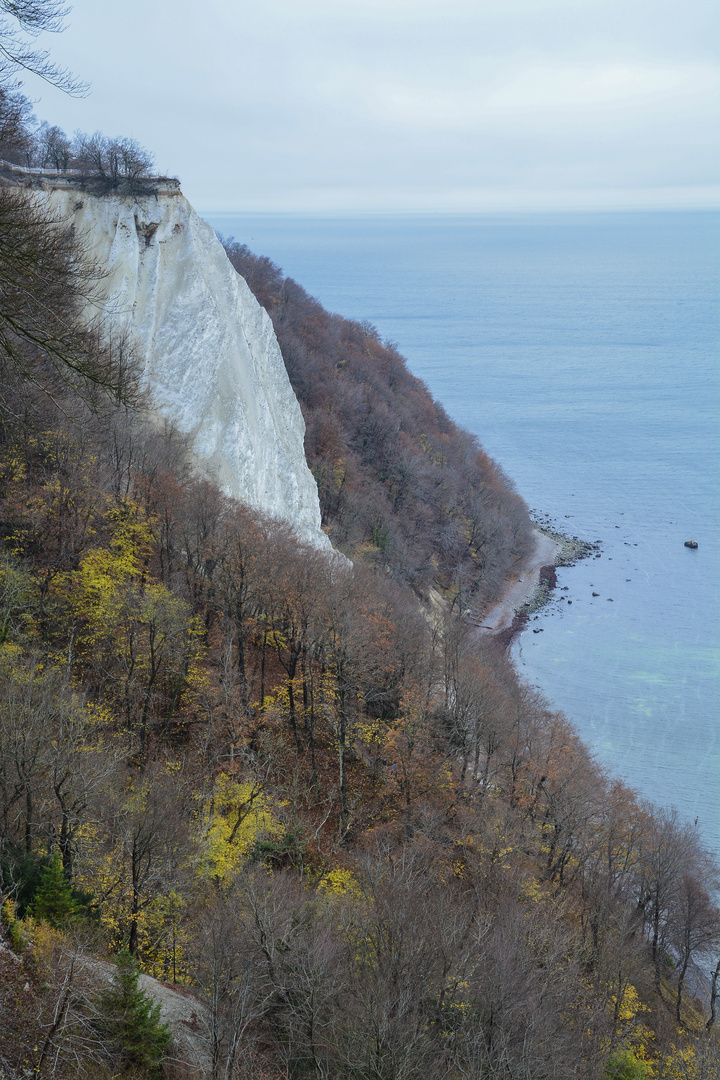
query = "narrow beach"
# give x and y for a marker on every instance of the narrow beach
(520, 589)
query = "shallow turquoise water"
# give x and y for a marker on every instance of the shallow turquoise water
(583, 351)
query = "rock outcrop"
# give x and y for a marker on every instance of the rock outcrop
(210, 358)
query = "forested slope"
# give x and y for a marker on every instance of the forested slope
(400, 484)
(345, 828)
(363, 846)
(341, 828)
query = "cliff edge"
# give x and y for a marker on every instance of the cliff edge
(211, 361)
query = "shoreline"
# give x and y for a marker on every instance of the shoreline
(531, 589)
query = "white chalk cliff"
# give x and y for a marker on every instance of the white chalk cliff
(211, 360)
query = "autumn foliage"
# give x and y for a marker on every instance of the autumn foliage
(333, 815)
(401, 486)
(287, 785)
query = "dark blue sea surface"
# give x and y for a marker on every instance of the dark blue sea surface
(583, 351)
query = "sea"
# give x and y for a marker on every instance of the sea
(582, 350)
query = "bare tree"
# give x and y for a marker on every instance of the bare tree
(16, 141)
(52, 147)
(715, 975)
(234, 984)
(119, 164)
(663, 849)
(696, 921)
(45, 340)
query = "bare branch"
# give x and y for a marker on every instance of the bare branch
(34, 17)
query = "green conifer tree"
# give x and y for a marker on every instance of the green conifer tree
(131, 1025)
(54, 902)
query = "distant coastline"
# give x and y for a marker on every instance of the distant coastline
(557, 340)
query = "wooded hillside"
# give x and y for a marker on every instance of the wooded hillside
(335, 822)
(401, 486)
(343, 825)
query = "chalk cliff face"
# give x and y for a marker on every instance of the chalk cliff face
(211, 360)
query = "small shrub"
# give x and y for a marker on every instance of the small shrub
(22, 873)
(281, 852)
(17, 940)
(625, 1066)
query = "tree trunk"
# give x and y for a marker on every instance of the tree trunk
(28, 820)
(681, 983)
(344, 810)
(713, 995)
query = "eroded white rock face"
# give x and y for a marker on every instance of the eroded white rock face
(211, 359)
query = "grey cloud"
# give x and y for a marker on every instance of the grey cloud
(340, 101)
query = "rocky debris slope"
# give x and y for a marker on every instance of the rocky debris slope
(186, 1016)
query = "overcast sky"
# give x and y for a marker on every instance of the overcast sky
(404, 105)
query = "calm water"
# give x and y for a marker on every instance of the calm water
(583, 351)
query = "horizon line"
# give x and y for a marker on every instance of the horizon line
(463, 203)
